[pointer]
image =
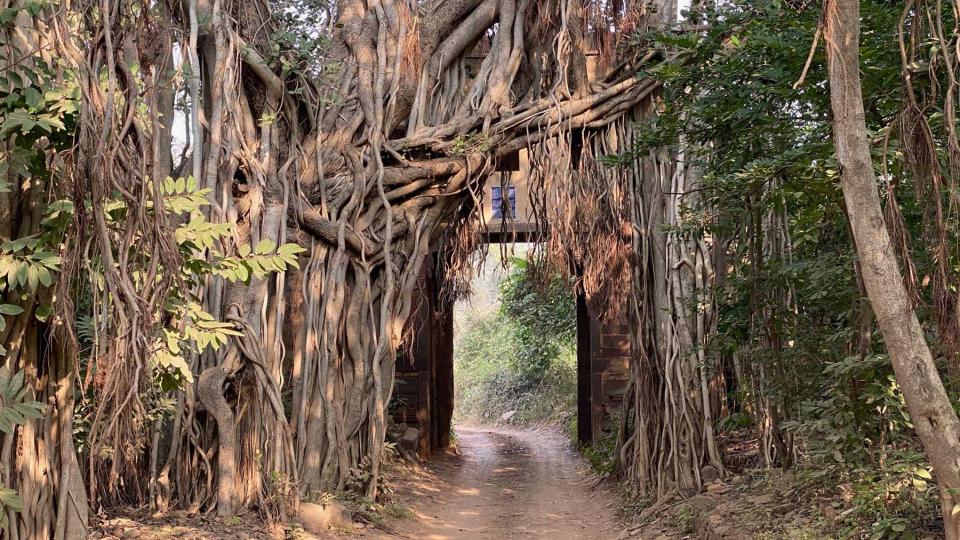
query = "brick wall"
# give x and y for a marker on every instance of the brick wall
(424, 374)
(609, 370)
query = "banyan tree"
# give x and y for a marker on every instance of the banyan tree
(214, 214)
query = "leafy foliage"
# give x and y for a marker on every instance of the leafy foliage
(189, 330)
(544, 315)
(192, 329)
(15, 409)
(521, 358)
(755, 117)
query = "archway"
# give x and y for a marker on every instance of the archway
(424, 391)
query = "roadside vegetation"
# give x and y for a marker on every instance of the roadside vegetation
(517, 362)
(808, 381)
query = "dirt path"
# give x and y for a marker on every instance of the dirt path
(509, 484)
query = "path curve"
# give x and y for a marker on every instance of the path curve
(509, 483)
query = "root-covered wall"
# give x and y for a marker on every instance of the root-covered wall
(228, 316)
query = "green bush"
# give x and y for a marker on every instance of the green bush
(543, 314)
(857, 431)
(602, 454)
(522, 357)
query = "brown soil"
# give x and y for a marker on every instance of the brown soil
(141, 525)
(508, 483)
(501, 484)
(505, 484)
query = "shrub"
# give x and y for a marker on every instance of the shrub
(522, 357)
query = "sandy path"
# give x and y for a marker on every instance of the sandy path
(509, 484)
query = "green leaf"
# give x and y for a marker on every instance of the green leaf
(242, 273)
(256, 268)
(16, 383)
(43, 312)
(265, 246)
(8, 14)
(4, 382)
(13, 408)
(290, 249)
(10, 309)
(45, 278)
(32, 97)
(10, 499)
(19, 244)
(33, 277)
(22, 275)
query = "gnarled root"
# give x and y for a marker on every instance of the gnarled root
(210, 391)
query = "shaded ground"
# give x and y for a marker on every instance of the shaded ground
(508, 483)
(141, 525)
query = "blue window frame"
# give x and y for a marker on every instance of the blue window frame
(503, 208)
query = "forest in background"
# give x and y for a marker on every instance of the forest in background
(516, 363)
(794, 340)
(771, 184)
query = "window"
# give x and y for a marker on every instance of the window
(504, 209)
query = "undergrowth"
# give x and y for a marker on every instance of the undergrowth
(860, 448)
(602, 454)
(485, 393)
(518, 363)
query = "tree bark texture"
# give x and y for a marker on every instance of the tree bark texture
(368, 160)
(930, 409)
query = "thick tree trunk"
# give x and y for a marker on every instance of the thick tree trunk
(930, 409)
(667, 432)
(288, 158)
